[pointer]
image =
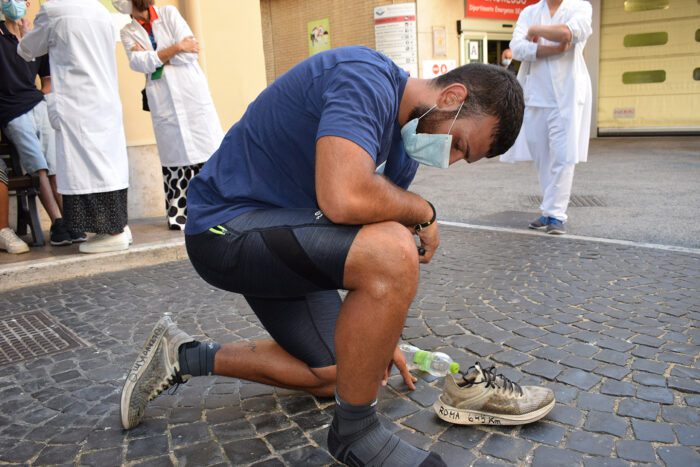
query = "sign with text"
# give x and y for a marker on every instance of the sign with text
(497, 9)
(395, 34)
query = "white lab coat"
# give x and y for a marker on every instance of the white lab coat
(84, 107)
(185, 121)
(569, 75)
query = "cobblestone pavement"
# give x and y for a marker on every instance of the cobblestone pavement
(612, 329)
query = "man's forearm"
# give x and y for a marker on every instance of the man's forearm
(544, 51)
(554, 32)
(379, 201)
(349, 191)
(166, 54)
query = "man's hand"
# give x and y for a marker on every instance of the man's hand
(25, 26)
(400, 361)
(429, 241)
(189, 45)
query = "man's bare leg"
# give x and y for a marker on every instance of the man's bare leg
(381, 274)
(264, 361)
(4, 206)
(46, 195)
(56, 195)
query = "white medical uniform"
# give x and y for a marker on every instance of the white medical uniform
(84, 108)
(557, 89)
(185, 121)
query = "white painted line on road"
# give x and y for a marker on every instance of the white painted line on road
(655, 246)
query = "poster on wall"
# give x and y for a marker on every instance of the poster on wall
(496, 9)
(395, 34)
(439, 41)
(319, 34)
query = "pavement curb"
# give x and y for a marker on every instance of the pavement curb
(52, 270)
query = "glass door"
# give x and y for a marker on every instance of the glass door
(473, 47)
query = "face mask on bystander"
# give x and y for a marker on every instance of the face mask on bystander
(14, 10)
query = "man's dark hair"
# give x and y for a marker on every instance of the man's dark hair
(142, 5)
(493, 91)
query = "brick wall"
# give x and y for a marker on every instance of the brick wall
(284, 25)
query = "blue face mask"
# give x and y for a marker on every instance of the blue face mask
(14, 10)
(425, 148)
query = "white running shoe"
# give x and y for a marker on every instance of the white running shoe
(156, 368)
(483, 397)
(103, 243)
(10, 242)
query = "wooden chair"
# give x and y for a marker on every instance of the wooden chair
(25, 188)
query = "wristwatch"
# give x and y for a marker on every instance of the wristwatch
(419, 227)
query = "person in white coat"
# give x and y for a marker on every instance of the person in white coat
(549, 39)
(160, 44)
(92, 167)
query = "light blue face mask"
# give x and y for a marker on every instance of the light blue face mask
(425, 148)
(14, 10)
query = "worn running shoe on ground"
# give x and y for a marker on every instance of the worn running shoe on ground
(156, 369)
(539, 224)
(555, 227)
(483, 397)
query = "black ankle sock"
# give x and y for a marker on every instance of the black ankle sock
(197, 358)
(356, 437)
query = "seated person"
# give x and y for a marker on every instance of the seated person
(24, 117)
(9, 241)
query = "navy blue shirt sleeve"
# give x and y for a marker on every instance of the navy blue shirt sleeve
(358, 106)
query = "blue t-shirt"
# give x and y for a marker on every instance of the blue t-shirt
(268, 158)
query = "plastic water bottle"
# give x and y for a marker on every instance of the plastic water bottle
(435, 363)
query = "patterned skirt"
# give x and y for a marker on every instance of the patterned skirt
(176, 180)
(101, 213)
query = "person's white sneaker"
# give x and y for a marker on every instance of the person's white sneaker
(103, 243)
(10, 242)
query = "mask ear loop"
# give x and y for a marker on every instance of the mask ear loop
(453, 121)
(427, 112)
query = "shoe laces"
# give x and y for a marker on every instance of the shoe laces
(498, 381)
(175, 381)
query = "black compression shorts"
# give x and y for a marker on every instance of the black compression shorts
(289, 265)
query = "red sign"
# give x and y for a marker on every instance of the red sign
(497, 9)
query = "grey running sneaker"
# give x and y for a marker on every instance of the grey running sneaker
(539, 224)
(483, 397)
(555, 227)
(156, 368)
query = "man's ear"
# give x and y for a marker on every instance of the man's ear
(452, 96)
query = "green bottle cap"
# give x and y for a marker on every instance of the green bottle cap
(454, 367)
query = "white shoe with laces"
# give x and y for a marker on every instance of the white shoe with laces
(104, 243)
(157, 367)
(484, 397)
(10, 242)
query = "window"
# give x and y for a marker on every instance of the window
(644, 5)
(696, 74)
(646, 39)
(644, 77)
(697, 34)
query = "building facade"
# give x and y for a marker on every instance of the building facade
(643, 57)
